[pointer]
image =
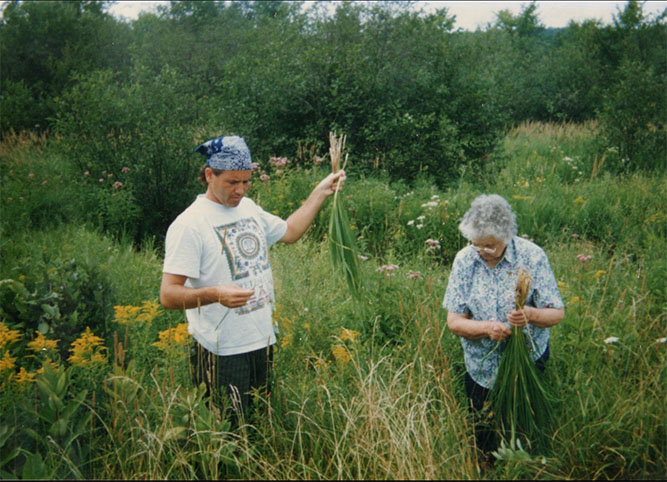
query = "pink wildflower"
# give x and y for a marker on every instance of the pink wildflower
(264, 177)
(584, 258)
(278, 161)
(387, 269)
(87, 173)
(255, 165)
(117, 185)
(414, 275)
(125, 170)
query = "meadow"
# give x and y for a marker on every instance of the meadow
(94, 372)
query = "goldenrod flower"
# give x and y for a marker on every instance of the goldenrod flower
(125, 314)
(146, 313)
(149, 311)
(87, 350)
(41, 343)
(173, 337)
(7, 336)
(286, 341)
(579, 200)
(599, 273)
(54, 365)
(346, 334)
(575, 299)
(7, 362)
(341, 354)
(24, 376)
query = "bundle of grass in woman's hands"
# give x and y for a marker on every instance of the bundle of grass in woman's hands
(520, 400)
(342, 243)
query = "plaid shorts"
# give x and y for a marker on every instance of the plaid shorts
(231, 379)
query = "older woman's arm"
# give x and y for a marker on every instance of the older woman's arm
(461, 325)
(540, 317)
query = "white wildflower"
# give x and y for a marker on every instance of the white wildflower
(611, 339)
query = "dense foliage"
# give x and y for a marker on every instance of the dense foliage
(414, 96)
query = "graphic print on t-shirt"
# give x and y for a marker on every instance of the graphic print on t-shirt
(244, 246)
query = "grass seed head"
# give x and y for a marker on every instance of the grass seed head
(522, 289)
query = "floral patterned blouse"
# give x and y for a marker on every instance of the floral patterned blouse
(487, 294)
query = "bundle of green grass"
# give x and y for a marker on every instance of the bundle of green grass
(520, 400)
(342, 243)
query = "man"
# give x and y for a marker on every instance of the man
(217, 269)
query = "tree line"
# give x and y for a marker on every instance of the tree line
(415, 96)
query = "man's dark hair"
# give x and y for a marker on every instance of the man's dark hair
(202, 173)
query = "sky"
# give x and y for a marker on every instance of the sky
(471, 15)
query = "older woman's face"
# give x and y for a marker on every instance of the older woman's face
(490, 249)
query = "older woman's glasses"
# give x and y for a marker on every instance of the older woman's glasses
(481, 249)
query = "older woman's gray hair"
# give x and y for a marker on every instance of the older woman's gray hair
(490, 215)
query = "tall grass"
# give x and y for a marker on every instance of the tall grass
(387, 402)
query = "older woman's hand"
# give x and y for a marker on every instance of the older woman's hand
(499, 331)
(519, 317)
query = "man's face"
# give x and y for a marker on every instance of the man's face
(227, 188)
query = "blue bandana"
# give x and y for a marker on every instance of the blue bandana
(228, 153)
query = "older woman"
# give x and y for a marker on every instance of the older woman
(480, 298)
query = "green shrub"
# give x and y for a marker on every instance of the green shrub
(134, 141)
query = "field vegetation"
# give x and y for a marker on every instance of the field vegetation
(96, 161)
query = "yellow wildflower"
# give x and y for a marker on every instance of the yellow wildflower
(7, 336)
(525, 198)
(346, 334)
(125, 314)
(54, 365)
(562, 286)
(87, 350)
(7, 362)
(579, 200)
(575, 299)
(286, 340)
(341, 354)
(149, 311)
(171, 337)
(24, 376)
(599, 273)
(41, 343)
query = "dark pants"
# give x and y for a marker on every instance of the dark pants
(477, 395)
(231, 380)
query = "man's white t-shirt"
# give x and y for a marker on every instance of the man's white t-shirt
(213, 244)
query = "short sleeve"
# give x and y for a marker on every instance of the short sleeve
(274, 226)
(546, 293)
(183, 248)
(457, 286)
